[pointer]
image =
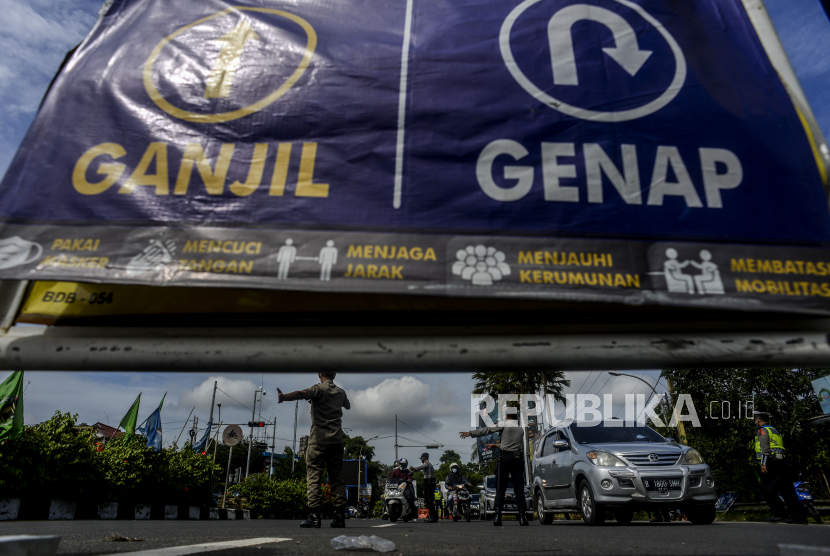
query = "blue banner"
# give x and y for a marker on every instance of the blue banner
(618, 120)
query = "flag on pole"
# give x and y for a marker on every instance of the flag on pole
(131, 418)
(153, 428)
(11, 406)
(202, 444)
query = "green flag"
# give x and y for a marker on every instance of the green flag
(11, 406)
(131, 418)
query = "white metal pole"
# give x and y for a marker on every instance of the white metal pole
(227, 478)
(251, 438)
(273, 447)
(210, 422)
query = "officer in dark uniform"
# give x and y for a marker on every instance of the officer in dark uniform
(775, 473)
(511, 462)
(429, 486)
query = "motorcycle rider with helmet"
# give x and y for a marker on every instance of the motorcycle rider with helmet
(454, 480)
(403, 474)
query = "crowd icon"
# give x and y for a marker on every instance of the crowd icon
(481, 265)
(707, 282)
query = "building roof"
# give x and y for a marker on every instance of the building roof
(106, 431)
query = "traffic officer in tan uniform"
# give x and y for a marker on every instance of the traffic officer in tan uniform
(325, 446)
(775, 473)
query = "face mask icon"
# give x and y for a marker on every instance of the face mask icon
(16, 251)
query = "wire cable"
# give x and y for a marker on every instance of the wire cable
(419, 432)
(234, 399)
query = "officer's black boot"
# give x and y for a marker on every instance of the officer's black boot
(313, 521)
(523, 519)
(497, 517)
(339, 518)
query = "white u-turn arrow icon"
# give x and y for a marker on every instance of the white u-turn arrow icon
(626, 52)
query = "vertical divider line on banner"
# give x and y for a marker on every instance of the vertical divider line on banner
(758, 15)
(407, 38)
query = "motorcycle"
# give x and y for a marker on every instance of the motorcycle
(460, 502)
(394, 504)
(802, 489)
(359, 512)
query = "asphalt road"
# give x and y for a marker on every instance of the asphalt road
(87, 538)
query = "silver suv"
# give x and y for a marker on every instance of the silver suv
(591, 468)
(487, 499)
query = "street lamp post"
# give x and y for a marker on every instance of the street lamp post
(662, 407)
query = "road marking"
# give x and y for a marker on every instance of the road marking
(197, 548)
(387, 525)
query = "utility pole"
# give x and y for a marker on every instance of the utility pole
(681, 429)
(293, 444)
(396, 438)
(227, 479)
(217, 432)
(273, 446)
(251, 439)
(210, 422)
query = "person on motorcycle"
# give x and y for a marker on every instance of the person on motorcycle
(454, 480)
(403, 474)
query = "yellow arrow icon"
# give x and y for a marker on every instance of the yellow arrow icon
(224, 68)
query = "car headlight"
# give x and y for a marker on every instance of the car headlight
(604, 459)
(692, 457)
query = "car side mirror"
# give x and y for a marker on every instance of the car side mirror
(561, 444)
(670, 440)
(480, 487)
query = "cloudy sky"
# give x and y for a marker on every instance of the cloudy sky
(433, 407)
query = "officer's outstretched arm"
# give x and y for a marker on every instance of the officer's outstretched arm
(298, 395)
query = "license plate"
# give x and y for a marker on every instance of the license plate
(662, 484)
(510, 506)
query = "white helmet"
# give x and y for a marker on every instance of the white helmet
(455, 465)
(404, 463)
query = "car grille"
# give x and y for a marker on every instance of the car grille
(663, 458)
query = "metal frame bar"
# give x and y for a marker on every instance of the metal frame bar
(254, 350)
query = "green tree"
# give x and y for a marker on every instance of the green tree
(722, 399)
(521, 382)
(240, 458)
(357, 446)
(450, 456)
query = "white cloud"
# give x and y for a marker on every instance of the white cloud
(34, 38)
(240, 391)
(420, 405)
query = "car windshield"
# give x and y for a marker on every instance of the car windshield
(491, 483)
(602, 434)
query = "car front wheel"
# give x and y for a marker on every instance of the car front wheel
(593, 513)
(623, 516)
(544, 518)
(702, 515)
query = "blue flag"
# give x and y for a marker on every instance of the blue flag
(202, 444)
(152, 428)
